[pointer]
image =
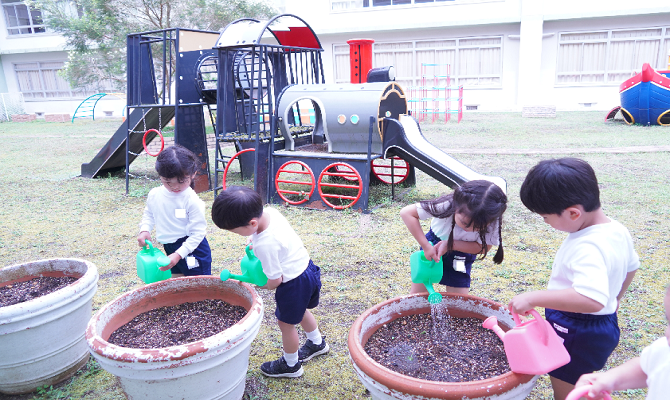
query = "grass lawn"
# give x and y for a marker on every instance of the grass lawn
(49, 211)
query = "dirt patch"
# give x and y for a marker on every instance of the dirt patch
(34, 288)
(177, 325)
(454, 350)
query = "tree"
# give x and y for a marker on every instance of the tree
(95, 30)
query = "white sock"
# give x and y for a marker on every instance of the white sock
(314, 336)
(291, 358)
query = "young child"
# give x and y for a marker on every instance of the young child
(592, 269)
(651, 369)
(178, 214)
(289, 269)
(465, 223)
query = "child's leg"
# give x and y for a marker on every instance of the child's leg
(561, 388)
(308, 322)
(417, 288)
(457, 290)
(316, 344)
(289, 337)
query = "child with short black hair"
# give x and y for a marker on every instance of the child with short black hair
(289, 270)
(465, 224)
(651, 369)
(591, 272)
(178, 214)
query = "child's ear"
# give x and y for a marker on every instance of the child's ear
(254, 222)
(574, 212)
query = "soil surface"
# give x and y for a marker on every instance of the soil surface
(454, 350)
(28, 290)
(177, 325)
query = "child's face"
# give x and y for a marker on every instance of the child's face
(464, 222)
(248, 229)
(175, 185)
(566, 221)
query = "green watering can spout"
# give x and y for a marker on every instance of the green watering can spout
(252, 270)
(426, 272)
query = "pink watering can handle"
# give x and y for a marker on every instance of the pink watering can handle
(581, 391)
(540, 320)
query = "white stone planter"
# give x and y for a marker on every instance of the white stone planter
(386, 384)
(42, 340)
(212, 368)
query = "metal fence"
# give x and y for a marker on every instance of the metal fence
(11, 104)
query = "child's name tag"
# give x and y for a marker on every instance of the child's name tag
(180, 213)
(459, 264)
(191, 262)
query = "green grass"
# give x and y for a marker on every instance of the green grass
(49, 211)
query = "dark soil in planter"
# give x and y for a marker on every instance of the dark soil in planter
(34, 288)
(177, 325)
(458, 350)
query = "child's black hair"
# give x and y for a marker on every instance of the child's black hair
(177, 162)
(236, 207)
(482, 201)
(553, 185)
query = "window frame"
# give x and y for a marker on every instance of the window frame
(43, 93)
(32, 27)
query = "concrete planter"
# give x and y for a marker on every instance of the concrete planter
(42, 340)
(212, 368)
(384, 383)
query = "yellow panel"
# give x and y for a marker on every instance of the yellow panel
(193, 41)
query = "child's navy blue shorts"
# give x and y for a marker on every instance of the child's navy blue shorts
(297, 295)
(589, 339)
(451, 277)
(202, 253)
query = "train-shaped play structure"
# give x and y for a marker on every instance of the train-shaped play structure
(645, 98)
(305, 142)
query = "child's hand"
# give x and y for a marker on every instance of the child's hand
(174, 259)
(430, 252)
(600, 382)
(143, 237)
(521, 303)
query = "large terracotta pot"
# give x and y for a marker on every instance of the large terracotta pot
(384, 383)
(211, 368)
(42, 340)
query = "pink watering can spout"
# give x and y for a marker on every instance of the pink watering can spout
(532, 347)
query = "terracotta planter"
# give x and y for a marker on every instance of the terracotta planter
(212, 368)
(384, 383)
(42, 340)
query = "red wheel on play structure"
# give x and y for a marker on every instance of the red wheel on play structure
(349, 193)
(288, 175)
(225, 170)
(381, 168)
(144, 142)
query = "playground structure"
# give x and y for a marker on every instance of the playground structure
(304, 142)
(436, 94)
(645, 98)
(86, 109)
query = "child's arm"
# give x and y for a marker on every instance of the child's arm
(410, 216)
(462, 246)
(626, 283)
(564, 300)
(626, 376)
(272, 284)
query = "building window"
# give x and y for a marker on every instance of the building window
(21, 18)
(471, 62)
(40, 80)
(610, 57)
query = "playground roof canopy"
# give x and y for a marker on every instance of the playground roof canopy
(287, 29)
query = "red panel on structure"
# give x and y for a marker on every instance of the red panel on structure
(360, 59)
(297, 36)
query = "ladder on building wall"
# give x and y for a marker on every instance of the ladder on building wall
(431, 98)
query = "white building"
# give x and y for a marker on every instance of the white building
(507, 54)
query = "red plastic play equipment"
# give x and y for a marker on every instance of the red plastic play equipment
(225, 170)
(392, 170)
(285, 169)
(339, 169)
(144, 142)
(360, 59)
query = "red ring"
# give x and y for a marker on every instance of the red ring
(403, 174)
(281, 192)
(225, 170)
(144, 142)
(326, 172)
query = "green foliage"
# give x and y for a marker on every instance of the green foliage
(95, 30)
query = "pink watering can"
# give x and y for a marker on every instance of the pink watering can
(532, 347)
(581, 391)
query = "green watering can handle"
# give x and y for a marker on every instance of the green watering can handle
(162, 260)
(149, 246)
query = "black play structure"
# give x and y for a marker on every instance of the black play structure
(303, 141)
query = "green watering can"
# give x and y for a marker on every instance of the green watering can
(252, 270)
(149, 259)
(426, 272)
